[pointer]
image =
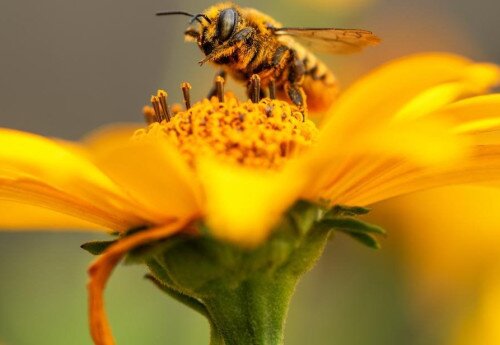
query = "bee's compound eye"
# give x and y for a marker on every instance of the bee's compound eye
(226, 23)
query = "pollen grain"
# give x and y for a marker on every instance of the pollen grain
(259, 135)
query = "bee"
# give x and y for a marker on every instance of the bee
(245, 42)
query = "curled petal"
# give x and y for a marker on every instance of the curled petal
(102, 268)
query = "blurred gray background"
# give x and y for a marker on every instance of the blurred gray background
(68, 67)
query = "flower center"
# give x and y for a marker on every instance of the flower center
(263, 134)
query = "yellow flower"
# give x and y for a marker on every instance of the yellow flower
(239, 166)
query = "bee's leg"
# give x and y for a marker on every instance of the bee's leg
(296, 95)
(213, 90)
(241, 35)
(293, 86)
(224, 50)
(272, 89)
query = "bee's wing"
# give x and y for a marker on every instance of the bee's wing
(333, 41)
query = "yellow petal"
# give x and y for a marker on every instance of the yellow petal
(382, 94)
(18, 216)
(474, 115)
(242, 205)
(381, 119)
(156, 175)
(339, 181)
(102, 140)
(476, 79)
(422, 143)
(481, 165)
(37, 193)
(372, 179)
(33, 156)
(107, 138)
(422, 83)
(39, 171)
(431, 100)
(387, 89)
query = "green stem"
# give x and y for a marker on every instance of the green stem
(244, 293)
(253, 313)
(215, 337)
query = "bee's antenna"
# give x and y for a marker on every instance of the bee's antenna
(193, 16)
(204, 16)
(170, 13)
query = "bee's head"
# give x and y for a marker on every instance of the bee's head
(213, 27)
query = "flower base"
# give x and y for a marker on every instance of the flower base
(244, 293)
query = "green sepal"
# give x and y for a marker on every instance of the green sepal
(353, 225)
(303, 216)
(343, 210)
(148, 251)
(188, 301)
(136, 230)
(97, 247)
(357, 229)
(165, 283)
(366, 239)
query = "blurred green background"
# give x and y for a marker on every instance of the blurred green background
(68, 67)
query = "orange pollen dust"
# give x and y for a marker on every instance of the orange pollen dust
(263, 134)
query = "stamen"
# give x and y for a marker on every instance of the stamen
(156, 106)
(187, 96)
(261, 133)
(272, 89)
(255, 88)
(149, 114)
(219, 85)
(162, 96)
